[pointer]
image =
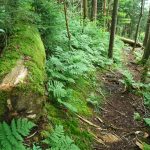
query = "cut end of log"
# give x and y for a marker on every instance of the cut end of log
(16, 76)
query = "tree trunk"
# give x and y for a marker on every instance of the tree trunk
(85, 9)
(104, 8)
(147, 30)
(146, 52)
(113, 29)
(104, 13)
(138, 25)
(94, 10)
(66, 20)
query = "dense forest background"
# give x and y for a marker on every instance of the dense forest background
(74, 74)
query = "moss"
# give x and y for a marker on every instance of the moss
(71, 125)
(82, 90)
(25, 44)
(79, 100)
(3, 102)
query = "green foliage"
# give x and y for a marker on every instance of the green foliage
(147, 121)
(35, 147)
(11, 137)
(128, 79)
(65, 66)
(58, 141)
(12, 13)
(146, 146)
(146, 96)
(130, 83)
(137, 116)
(50, 23)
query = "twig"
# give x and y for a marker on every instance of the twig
(110, 125)
(103, 109)
(114, 127)
(100, 120)
(102, 94)
(97, 139)
(128, 134)
(88, 122)
(28, 137)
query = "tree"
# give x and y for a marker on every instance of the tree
(94, 10)
(66, 20)
(104, 12)
(146, 52)
(113, 29)
(85, 9)
(138, 25)
(147, 30)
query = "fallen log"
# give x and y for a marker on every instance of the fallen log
(22, 75)
(130, 42)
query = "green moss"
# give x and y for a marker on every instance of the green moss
(79, 100)
(71, 125)
(24, 44)
(82, 90)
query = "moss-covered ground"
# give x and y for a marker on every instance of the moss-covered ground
(57, 115)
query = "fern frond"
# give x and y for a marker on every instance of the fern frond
(57, 88)
(11, 136)
(24, 126)
(58, 141)
(68, 106)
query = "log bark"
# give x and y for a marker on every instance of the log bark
(131, 42)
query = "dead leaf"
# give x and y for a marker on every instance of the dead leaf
(100, 120)
(146, 135)
(140, 145)
(111, 138)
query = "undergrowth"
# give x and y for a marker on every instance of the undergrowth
(71, 67)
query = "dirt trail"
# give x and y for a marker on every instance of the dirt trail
(117, 114)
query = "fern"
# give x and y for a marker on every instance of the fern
(68, 106)
(58, 141)
(146, 98)
(57, 88)
(147, 121)
(11, 137)
(60, 94)
(128, 78)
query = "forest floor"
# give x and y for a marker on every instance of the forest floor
(114, 126)
(118, 129)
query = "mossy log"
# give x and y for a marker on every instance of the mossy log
(131, 42)
(22, 74)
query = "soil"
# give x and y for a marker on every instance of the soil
(117, 114)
